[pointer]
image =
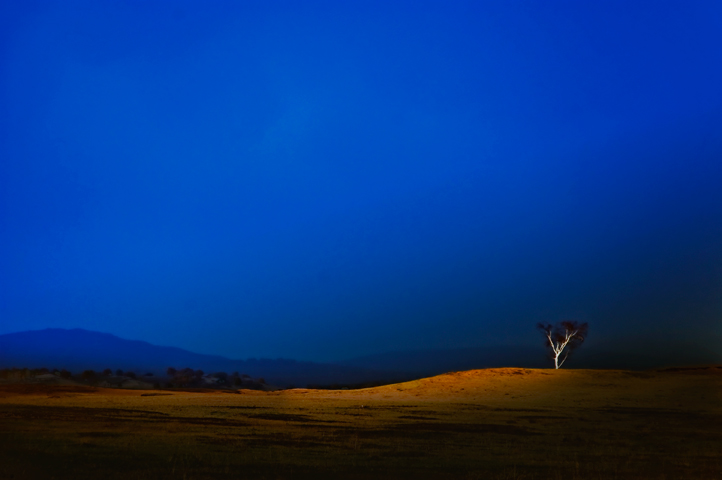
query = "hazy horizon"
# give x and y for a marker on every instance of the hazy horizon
(80, 349)
(327, 181)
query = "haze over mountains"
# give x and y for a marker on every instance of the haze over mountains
(79, 349)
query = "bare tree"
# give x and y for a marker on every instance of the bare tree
(566, 335)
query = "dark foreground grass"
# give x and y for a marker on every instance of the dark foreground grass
(341, 438)
(65, 442)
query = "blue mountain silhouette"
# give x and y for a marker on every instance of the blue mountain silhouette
(79, 349)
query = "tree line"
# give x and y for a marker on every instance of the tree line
(187, 377)
(184, 377)
(25, 373)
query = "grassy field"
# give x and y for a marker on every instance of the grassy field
(496, 423)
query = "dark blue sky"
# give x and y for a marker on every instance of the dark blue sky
(325, 180)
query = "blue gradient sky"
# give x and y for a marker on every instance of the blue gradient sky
(320, 180)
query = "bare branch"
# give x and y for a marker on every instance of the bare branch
(564, 336)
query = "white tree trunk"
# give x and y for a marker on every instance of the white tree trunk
(558, 347)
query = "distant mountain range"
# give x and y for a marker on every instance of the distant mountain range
(78, 350)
